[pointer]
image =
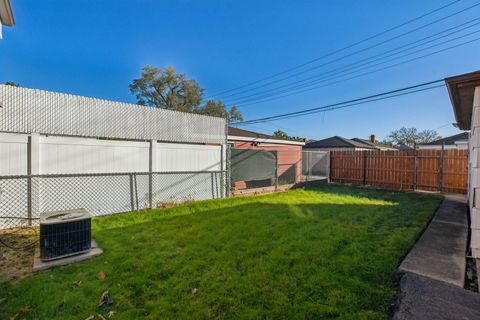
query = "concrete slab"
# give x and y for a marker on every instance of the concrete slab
(439, 254)
(39, 265)
(422, 298)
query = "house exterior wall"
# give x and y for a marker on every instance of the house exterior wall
(460, 145)
(289, 158)
(339, 149)
(474, 179)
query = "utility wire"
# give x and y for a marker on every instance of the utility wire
(364, 49)
(366, 61)
(355, 104)
(295, 92)
(375, 97)
(341, 49)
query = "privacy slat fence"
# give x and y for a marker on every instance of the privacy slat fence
(430, 170)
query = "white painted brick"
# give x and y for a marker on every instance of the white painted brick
(475, 216)
(475, 116)
(475, 157)
(476, 98)
(475, 180)
(475, 243)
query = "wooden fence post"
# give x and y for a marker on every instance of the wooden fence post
(440, 172)
(415, 166)
(364, 167)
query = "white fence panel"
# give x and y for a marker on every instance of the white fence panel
(82, 155)
(187, 157)
(13, 154)
(26, 110)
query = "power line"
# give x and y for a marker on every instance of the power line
(366, 61)
(341, 49)
(361, 50)
(343, 104)
(295, 92)
(357, 103)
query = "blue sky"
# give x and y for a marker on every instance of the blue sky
(96, 48)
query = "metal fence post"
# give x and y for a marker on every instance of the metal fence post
(222, 175)
(276, 170)
(415, 166)
(150, 173)
(132, 199)
(440, 178)
(29, 181)
(228, 172)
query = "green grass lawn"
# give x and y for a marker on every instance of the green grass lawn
(330, 252)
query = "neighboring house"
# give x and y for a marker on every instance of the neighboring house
(6, 15)
(464, 91)
(288, 153)
(374, 143)
(337, 143)
(404, 147)
(458, 141)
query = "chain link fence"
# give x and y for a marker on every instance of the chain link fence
(23, 198)
(257, 170)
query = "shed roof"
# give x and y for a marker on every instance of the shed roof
(236, 132)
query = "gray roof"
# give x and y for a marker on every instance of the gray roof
(375, 145)
(449, 140)
(338, 142)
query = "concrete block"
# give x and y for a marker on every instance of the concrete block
(476, 97)
(39, 265)
(475, 218)
(475, 177)
(475, 242)
(474, 157)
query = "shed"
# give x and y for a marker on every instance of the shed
(288, 155)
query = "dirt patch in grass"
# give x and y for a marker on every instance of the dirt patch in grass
(17, 263)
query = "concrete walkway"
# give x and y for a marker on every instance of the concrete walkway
(434, 270)
(439, 254)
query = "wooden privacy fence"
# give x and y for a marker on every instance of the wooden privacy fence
(430, 170)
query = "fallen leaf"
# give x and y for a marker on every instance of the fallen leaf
(25, 309)
(77, 283)
(105, 299)
(110, 314)
(90, 318)
(101, 275)
(194, 291)
(101, 317)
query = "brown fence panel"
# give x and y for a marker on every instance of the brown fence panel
(430, 170)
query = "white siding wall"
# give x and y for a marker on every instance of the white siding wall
(474, 166)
